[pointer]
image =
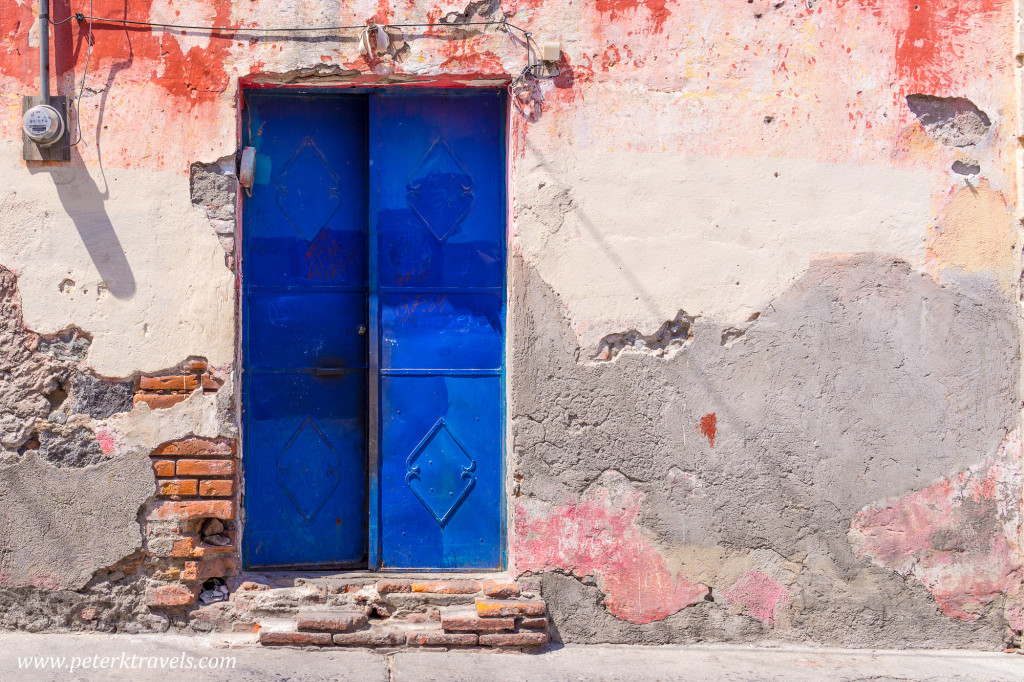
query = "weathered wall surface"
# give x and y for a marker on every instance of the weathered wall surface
(756, 482)
(764, 329)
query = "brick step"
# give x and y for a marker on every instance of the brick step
(394, 613)
(331, 621)
(391, 634)
(397, 596)
(388, 633)
(470, 620)
(510, 608)
(467, 620)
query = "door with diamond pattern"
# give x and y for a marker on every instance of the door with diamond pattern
(373, 322)
(438, 212)
(304, 263)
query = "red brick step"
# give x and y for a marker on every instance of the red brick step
(468, 621)
(331, 621)
(504, 608)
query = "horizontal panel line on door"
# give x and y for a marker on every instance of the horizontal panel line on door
(441, 290)
(309, 370)
(440, 372)
(306, 288)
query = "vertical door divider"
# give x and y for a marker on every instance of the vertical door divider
(373, 376)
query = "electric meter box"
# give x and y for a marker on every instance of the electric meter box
(43, 124)
(44, 129)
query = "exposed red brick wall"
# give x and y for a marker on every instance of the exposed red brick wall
(166, 390)
(197, 480)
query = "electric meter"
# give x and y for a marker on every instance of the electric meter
(43, 124)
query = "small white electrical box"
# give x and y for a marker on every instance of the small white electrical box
(551, 51)
(43, 125)
(247, 167)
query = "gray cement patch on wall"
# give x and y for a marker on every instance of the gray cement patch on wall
(879, 610)
(864, 381)
(59, 526)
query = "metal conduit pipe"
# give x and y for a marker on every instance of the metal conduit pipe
(44, 50)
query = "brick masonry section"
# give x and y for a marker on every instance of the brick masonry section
(191, 550)
(533, 623)
(395, 613)
(393, 586)
(190, 531)
(448, 587)
(336, 621)
(166, 390)
(471, 623)
(516, 639)
(499, 590)
(495, 608)
(169, 596)
(205, 467)
(368, 638)
(445, 639)
(296, 638)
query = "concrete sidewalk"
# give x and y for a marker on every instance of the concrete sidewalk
(133, 658)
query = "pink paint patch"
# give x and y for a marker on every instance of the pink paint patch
(760, 596)
(107, 443)
(599, 537)
(958, 536)
(1015, 618)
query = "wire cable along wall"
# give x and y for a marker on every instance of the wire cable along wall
(528, 71)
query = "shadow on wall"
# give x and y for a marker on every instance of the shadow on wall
(83, 202)
(644, 296)
(79, 194)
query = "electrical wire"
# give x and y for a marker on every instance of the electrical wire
(81, 90)
(528, 70)
(292, 29)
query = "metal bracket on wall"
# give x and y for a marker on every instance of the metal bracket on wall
(60, 150)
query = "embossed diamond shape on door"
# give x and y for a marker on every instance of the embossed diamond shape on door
(440, 190)
(308, 469)
(308, 191)
(439, 472)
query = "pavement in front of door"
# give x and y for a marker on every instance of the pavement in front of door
(89, 657)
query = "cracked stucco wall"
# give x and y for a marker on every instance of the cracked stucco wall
(764, 296)
(864, 381)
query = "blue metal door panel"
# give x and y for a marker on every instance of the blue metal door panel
(298, 329)
(438, 207)
(306, 474)
(440, 190)
(441, 472)
(306, 219)
(305, 299)
(441, 331)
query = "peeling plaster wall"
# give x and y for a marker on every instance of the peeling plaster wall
(764, 328)
(710, 494)
(145, 277)
(731, 233)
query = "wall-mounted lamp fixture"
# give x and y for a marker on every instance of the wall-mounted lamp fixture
(247, 169)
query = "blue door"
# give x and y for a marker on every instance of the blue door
(438, 204)
(373, 313)
(305, 349)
